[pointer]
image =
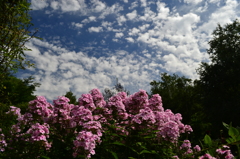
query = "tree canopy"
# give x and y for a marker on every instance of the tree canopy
(71, 97)
(15, 23)
(219, 80)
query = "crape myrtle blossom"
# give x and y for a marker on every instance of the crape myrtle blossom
(88, 121)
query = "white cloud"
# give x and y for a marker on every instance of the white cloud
(114, 9)
(92, 18)
(143, 3)
(95, 29)
(78, 25)
(106, 24)
(69, 5)
(222, 15)
(144, 27)
(81, 73)
(121, 19)
(98, 6)
(148, 15)
(129, 39)
(132, 15)
(55, 5)
(133, 31)
(163, 11)
(214, 1)
(119, 35)
(38, 5)
(133, 5)
(174, 64)
(192, 1)
(166, 38)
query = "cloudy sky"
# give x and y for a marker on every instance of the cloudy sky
(89, 43)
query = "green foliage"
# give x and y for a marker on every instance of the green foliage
(15, 22)
(234, 139)
(219, 80)
(71, 97)
(17, 91)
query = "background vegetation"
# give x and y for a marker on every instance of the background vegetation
(204, 103)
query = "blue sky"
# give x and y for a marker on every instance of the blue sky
(89, 43)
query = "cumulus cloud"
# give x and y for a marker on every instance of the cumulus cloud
(192, 1)
(78, 25)
(139, 39)
(132, 15)
(121, 19)
(80, 72)
(38, 5)
(95, 29)
(133, 5)
(143, 3)
(119, 35)
(129, 39)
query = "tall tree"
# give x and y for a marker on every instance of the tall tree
(15, 23)
(71, 97)
(219, 80)
(18, 91)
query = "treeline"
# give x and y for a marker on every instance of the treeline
(204, 103)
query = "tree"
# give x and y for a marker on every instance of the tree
(15, 23)
(18, 91)
(181, 96)
(108, 93)
(219, 80)
(71, 97)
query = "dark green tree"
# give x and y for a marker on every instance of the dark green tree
(219, 80)
(71, 97)
(18, 91)
(181, 96)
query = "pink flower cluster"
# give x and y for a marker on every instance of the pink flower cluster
(3, 143)
(87, 122)
(137, 112)
(39, 132)
(223, 152)
(63, 119)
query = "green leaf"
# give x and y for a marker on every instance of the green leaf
(118, 143)
(145, 151)
(207, 140)
(233, 132)
(45, 157)
(113, 153)
(226, 125)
